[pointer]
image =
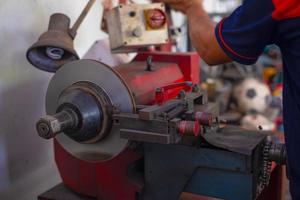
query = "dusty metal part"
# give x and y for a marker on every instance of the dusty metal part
(94, 110)
(55, 47)
(109, 81)
(92, 114)
(131, 29)
(163, 124)
(59, 22)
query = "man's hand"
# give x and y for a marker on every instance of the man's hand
(183, 6)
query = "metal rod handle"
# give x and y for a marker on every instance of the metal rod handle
(73, 30)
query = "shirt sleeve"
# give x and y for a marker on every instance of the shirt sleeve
(245, 33)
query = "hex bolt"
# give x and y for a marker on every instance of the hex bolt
(48, 127)
(150, 66)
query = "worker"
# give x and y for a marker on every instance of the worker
(242, 37)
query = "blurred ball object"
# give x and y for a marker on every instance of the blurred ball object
(252, 96)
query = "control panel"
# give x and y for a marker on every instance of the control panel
(134, 26)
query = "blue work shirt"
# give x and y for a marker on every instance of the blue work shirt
(243, 36)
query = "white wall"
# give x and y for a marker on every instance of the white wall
(26, 161)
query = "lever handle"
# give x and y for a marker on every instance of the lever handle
(161, 94)
(73, 30)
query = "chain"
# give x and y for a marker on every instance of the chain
(266, 167)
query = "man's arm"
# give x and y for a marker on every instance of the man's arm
(202, 31)
(241, 37)
(202, 35)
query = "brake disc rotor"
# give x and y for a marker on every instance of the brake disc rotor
(116, 89)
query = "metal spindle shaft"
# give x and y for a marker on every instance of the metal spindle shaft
(48, 127)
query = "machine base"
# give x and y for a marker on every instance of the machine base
(275, 191)
(61, 192)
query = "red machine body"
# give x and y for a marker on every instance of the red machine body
(111, 180)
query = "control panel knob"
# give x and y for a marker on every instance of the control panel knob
(137, 32)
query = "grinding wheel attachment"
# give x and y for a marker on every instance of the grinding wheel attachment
(104, 77)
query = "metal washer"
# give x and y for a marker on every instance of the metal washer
(112, 83)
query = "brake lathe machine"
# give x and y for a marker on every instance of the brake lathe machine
(143, 130)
